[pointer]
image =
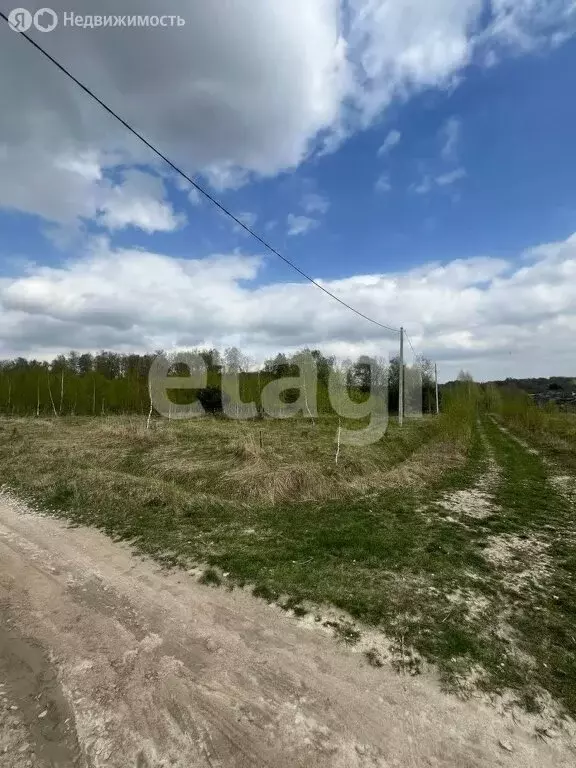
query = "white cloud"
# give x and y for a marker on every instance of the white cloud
(67, 187)
(404, 46)
(495, 317)
(446, 179)
(524, 25)
(424, 186)
(428, 183)
(300, 225)
(248, 218)
(214, 100)
(391, 141)
(450, 133)
(85, 165)
(227, 104)
(226, 176)
(194, 197)
(314, 203)
(399, 47)
(138, 202)
(59, 187)
(383, 183)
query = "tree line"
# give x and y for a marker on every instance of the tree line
(113, 383)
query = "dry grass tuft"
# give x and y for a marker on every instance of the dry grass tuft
(270, 461)
(425, 464)
(258, 480)
(247, 449)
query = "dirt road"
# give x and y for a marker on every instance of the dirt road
(105, 660)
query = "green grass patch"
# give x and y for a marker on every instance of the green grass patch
(548, 428)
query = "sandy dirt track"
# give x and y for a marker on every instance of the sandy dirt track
(105, 660)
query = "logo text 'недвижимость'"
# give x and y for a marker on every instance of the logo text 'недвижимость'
(46, 20)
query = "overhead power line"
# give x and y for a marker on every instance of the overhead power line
(409, 342)
(197, 186)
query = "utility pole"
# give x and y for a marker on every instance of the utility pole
(401, 381)
(436, 385)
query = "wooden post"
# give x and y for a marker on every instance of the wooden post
(436, 387)
(61, 392)
(51, 398)
(401, 381)
(150, 411)
(307, 406)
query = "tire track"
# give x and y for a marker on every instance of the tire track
(476, 502)
(564, 485)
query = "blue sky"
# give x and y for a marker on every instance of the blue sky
(458, 158)
(517, 145)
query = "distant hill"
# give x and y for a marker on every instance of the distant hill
(560, 384)
(558, 389)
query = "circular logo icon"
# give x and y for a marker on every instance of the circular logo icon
(45, 20)
(20, 20)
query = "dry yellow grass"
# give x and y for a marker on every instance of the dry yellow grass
(260, 461)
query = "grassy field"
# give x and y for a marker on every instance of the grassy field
(446, 535)
(214, 460)
(549, 429)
